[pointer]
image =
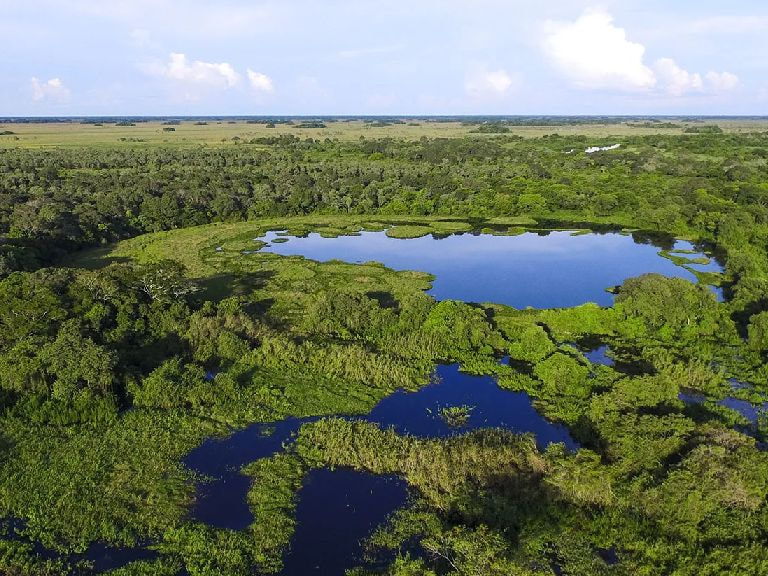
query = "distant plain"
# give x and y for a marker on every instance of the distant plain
(218, 132)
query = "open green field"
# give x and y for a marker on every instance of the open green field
(218, 132)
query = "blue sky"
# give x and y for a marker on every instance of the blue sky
(163, 57)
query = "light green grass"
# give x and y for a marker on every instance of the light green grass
(204, 249)
(217, 133)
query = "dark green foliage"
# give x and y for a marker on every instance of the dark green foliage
(668, 309)
(758, 332)
(19, 559)
(460, 328)
(491, 129)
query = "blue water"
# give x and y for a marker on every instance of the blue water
(540, 270)
(418, 413)
(338, 509)
(746, 409)
(221, 502)
(599, 355)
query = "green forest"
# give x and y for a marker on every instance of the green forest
(123, 289)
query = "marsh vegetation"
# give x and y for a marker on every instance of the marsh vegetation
(145, 358)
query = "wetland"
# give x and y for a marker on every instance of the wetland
(438, 356)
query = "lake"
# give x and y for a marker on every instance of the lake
(338, 509)
(552, 269)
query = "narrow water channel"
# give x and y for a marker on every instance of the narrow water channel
(336, 510)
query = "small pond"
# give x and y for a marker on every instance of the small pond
(749, 411)
(336, 510)
(599, 355)
(221, 502)
(550, 269)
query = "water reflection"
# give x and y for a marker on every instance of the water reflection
(558, 269)
(418, 413)
(337, 509)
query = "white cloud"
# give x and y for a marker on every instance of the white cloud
(488, 83)
(179, 69)
(676, 80)
(594, 53)
(52, 89)
(260, 82)
(721, 81)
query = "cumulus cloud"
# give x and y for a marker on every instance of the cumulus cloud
(52, 89)
(721, 81)
(488, 83)
(260, 82)
(676, 80)
(197, 73)
(594, 53)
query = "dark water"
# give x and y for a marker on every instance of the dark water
(558, 269)
(336, 510)
(100, 556)
(221, 502)
(105, 558)
(418, 413)
(746, 409)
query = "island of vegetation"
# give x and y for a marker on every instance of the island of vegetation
(139, 318)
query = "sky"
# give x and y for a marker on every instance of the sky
(372, 57)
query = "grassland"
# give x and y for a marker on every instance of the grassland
(203, 249)
(219, 132)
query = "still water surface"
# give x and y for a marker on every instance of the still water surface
(541, 270)
(336, 510)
